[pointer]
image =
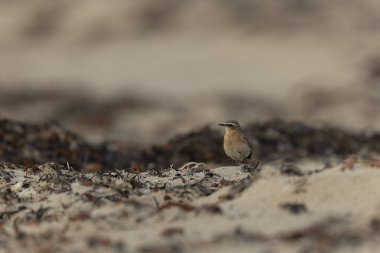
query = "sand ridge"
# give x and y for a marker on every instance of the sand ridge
(168, 212)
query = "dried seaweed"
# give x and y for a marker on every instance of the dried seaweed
(26, 144)
(274, 140)
(294, 208)
(290, 170)
(29, 144)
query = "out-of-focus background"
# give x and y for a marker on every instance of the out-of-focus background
(139, 72)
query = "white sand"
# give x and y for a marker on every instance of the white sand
(145, 221)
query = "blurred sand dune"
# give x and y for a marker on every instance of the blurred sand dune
(278, 58)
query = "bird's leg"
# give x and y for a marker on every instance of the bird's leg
(256, 169)
(241, 165)
(249, 168)
(257, 165)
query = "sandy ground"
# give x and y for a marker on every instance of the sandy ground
(192, 209)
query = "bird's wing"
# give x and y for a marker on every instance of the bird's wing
(250, 154)
(246, 142)
(245, 149)
(250, 148)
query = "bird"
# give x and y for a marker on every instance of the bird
(235, 144)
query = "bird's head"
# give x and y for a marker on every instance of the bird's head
(231, 125)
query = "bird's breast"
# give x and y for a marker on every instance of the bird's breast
(235, 145)
(231, 140)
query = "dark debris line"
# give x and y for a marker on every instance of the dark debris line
(24, 143)
(274, 140)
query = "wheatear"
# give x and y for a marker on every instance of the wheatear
(236, 145)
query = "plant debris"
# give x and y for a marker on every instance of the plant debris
(274, 140)
(27, 144)
(50, 192)
(294, 208)
(290, 170)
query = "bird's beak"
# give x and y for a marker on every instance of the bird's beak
(222, 124)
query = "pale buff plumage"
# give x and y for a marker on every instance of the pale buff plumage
(235, 144)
